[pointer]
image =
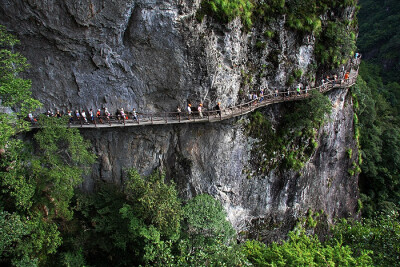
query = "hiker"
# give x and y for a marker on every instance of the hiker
(78, 115)
(298, 89)
(199, 109)
(346, 76)
(276, 92)
(261, 95)
(70, 116)
(255, 97)
(123, 115)
(218, 108)
(58, 114)
(83, 113)
(178, 111)
(107, 114)
(307, 89)
(91, 115)
(31, 118)
(98, 116)
(134, 114)
(189, 110)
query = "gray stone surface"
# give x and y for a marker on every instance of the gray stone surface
(154, 55)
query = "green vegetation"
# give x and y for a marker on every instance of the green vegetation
(379, 39)
(380, 234)
(226, 10)
(37, 178)
(146, 224)
(292, 142)
(46, 221)
(335, 36)
(304, 250)
(335, 45)
(378, 134)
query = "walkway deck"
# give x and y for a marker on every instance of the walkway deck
(212, 116)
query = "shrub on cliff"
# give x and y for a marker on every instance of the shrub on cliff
(226, 10)
(291, 143)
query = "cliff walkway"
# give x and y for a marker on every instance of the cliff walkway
(162, 118)
(212, 115)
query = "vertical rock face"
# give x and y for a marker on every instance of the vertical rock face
(155, 55)
(210, 158)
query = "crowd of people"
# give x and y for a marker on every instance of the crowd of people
(328, 81)
(90, 116)
(256, 96)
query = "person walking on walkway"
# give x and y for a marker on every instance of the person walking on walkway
(122, 113)
(189, 110)
(199, 109)
(346, 77)
(255, 97)
(71, 118)
(134, 114)
(107, 114)
(98, 116)
(83, 113)
(77, 115)
(218, 108)
(91, 115)
(178, 111)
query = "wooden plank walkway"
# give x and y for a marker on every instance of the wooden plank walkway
(213, 115)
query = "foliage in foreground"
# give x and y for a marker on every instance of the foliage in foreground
(146, 224)
(380, 234)
(303, 250)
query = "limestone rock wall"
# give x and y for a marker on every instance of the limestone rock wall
(154, 55)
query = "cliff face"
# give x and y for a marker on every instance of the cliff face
(155, 55)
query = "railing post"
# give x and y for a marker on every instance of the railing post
(95, 124)
(165, 114)
(179, 114)
(123, 118)
(80, 119)
(151, 118)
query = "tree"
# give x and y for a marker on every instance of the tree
(207, 236)
(205, 222)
